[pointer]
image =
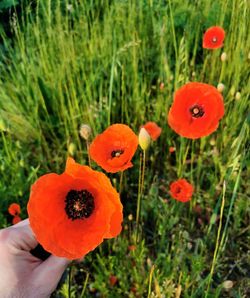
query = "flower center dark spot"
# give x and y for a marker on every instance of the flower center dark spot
(117, 153)
(197, 111)
(178, 190)
(79, 204)
(214, 39)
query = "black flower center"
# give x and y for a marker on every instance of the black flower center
(197, 111)
(117, 153)
(79, 204)
(214, 39)
(178, 190)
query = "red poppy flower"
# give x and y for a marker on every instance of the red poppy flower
(114, 148)
(113, 280)
(196, 110)
(16, 219)
(153, 129)
(14, 209)
(181, 190)
(171, 149)
(72, 213)
(132, 247)
(213, 38)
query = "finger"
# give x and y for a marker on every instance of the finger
(50, 271)
(56, 263)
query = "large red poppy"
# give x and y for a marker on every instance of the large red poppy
(181, 190)
(114, 148)
(153, 129)
(72, 213)
(196, 110)
(213, 38)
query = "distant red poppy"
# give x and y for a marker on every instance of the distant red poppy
(16, 219)
(181, 190)
(113, 280)
(196, 110)
(14, 209)
(171, 149)
(114, 148)
(213, 38)
(72, 213)
(153, 129)
(131, 247)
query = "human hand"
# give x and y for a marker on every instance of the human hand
(22, 274)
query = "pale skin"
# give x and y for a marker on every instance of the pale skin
(21, 274)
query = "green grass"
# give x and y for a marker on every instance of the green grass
(100, 63)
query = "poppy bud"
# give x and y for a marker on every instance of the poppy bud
(227, 285)
(72, 149)
(130, 217)
(220, 87)
(212, 142)
(149, 262)
(223, 57)
(144, 139)
(237, 95)
(2, 125)
(21, 163)
(69, 7)
(232, 91)
(85, 131)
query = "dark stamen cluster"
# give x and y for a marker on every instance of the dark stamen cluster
(117, 153)
(79, 204)
(178, 190)
(197, 111)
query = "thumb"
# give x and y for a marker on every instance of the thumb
(48, 274)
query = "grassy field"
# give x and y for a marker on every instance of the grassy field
(103, 62)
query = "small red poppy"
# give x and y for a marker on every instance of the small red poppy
(14, 209)
(153, 130)
(131, 247)
(113, 280)
(72, 213)
(213, 38)
(16, 219)
(181, 190)
(114, 148)
(171, 149)
(196, 110)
